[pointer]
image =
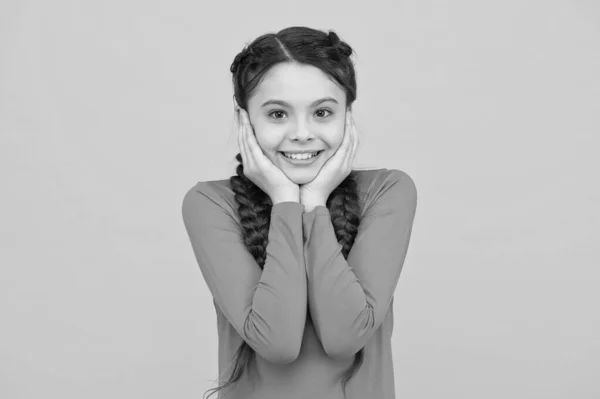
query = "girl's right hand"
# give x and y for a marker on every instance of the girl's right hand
(259, 169)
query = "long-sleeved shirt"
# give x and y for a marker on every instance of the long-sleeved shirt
(309, 310)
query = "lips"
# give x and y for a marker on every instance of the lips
(301, 161)
(317, 153)
(301, 153)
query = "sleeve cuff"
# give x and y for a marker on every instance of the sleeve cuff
(287, 207)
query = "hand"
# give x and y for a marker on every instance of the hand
(259, 169)
(335, 170)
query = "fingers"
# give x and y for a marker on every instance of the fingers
(242, 139)
(239, 137)
(343, 148)
(348, 136)
(356, 139)
(352, 143)
(253, 152)
(251, 145)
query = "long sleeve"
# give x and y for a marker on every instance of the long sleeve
(266, 307)
(348, 299)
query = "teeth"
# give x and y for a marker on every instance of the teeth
(299, 156)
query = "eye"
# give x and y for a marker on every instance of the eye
(326, 110)
(278, 111)
(275, 112)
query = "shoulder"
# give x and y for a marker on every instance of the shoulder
(371, 179)
(384, 186)
(209, 198)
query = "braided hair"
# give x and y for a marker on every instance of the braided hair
(331, 55)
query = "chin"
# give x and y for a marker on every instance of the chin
(305, 179)
(300, 176)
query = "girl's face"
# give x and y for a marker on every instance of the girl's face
(287, 115)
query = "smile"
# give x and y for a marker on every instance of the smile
(296, 161)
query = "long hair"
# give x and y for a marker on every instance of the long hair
(331, 55)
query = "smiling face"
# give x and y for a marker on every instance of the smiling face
(287, 116)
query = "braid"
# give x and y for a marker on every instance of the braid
(241, 59)
(345, 217)
(333, 39)
(254, 210)
(342, 48)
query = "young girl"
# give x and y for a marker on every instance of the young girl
(301, 253)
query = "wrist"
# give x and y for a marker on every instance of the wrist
(309, 208)
(290, 196)
(312, 203)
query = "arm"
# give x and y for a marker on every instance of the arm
(349, 299)
(266, 307)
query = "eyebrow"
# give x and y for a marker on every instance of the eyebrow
(283, 103)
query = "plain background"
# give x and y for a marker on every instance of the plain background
(110, 111)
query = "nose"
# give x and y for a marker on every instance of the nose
(301, 133)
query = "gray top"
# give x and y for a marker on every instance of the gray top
(309, 311)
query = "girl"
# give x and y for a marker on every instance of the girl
(301, 253)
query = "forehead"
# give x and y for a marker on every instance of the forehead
(298, 84)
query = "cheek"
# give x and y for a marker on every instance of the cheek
(264, 138)
(339, 133)
(267, 145)
(337, 139)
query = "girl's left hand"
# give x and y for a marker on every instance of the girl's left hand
(336, 169)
